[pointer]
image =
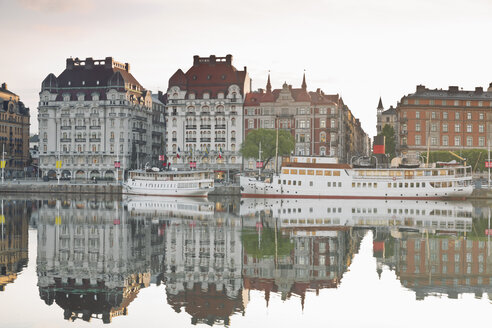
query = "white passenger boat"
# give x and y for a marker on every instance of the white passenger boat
(169, 183)
(322, 177)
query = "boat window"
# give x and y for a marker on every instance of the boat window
(353, 184)
(375, 185)
(336, 173)
(284, 182)
(389, 184)
(285, 171)
(310, 183)
(293, 171)
(364, 185)
(406, 184)
(423, 184)
(310, 172)
(412, 185)
(294, 182)
(288, 182)
(434, 172)
(400, 185)
(339, 184)
(299, 183)
(319, 172)
(442, 172)
(328, 172)
(302, 172)
(358, 184)
(417, 185)
(279, 181)
(369, 184)
(329, 184)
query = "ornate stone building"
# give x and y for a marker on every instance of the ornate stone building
(14, 132)
(204, 114)
(94, 114)
(321, 124)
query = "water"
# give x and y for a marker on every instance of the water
(65, 262)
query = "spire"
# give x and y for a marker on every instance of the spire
(269, 85)
(304, 85)
(380, 105)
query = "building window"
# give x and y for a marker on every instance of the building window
(468, 115)
(417, 140)
(417, 114)
(434, 141)
(469, 141)
(322, 137)
(322, 124)
(457, 140)
(445, 140)
(457, 115)
(468, 128)
(444, 127)
(434, 127)
(480, 116)
(456, 128)
(445, 114)
(481, 141)
(433, 114)
(456, 103)
(250, 124)
(480, 128)
(431, 102)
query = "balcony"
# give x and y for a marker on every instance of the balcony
(79, 115)
(174, 139)
(205, 126)
(205, 139)
(233, 112)
(66, 128)
(403, 132)
(121, 114)
(80, 139)
(140, 142)
(95, 127)
(112, 114)
(233, 139)
(65, 140)
(191, 127)
(190, 139)
(220, 139)
(139, 130)
(95, 140)
(220, 126)
(111, 139)
(80, 127)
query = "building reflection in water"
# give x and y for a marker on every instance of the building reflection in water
(14, 224)
(93, 257)
(448, 255)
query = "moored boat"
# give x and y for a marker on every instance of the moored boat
(169, 183)
(321, 177)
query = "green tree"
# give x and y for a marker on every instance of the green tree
(267, 137)
(389, 141)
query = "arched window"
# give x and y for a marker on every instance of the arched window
(322, 137)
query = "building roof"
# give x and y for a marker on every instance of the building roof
(210, 74)
(156, 100)
(389, 111)
(380, 105)
(89, 75)
(453, 92)
(5, 93)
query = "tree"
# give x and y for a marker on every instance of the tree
(267, 137)
(389, 141)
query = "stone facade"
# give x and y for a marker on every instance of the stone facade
(204, 114)
(14, 132)
(321, 124)
(94, 114)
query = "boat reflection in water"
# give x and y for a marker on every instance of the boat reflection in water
(94, 257)
(14, 223)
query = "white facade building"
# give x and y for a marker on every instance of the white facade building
(92, 115)
(204, 114)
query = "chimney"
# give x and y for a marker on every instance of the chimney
(196, 60)
(108, 62)
(478, 90)
(453, 89)
(89, 63)
(318, 91)
(229, 59)
(245, 69)
(4, 86)
(490, 87)
(159, 95)
(420, 88)
(127, 67)
(260, 90)
(69, 63)
(213, 59)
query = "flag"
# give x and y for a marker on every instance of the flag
(177, 155)
(206, 151)
(220, 152)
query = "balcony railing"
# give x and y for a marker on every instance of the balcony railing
(95, 127)
(80, 127)
(205, 126)
(205, 139)
(66, 127)
(220, 139)
(65, 140)
(95, 140)
(190, 139)
(80, 139)
(220, 126)
(191, 126)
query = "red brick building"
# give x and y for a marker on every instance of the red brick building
(321, 124)
(451, 119)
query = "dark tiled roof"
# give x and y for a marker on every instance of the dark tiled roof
(452, 93)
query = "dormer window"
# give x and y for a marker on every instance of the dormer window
(206, 95)
(192, 96)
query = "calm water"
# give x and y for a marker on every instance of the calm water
(161, 262)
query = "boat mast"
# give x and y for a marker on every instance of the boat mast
(276, 148)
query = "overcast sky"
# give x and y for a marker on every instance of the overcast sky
(360, 49)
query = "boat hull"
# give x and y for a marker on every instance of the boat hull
(182, 192)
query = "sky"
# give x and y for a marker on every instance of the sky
(360, 49)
